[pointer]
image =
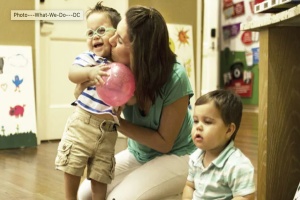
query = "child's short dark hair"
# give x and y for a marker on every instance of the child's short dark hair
(228, 103)
(113, 14)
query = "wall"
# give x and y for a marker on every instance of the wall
(175, 12)
(17, 32)
(239, 58)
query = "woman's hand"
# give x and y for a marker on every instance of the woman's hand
(81, 86)
(118, 110)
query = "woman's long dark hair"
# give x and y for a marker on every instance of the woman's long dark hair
(152, 59)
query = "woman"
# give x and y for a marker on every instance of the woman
(157, 120)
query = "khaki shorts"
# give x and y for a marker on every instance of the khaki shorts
(88, 141)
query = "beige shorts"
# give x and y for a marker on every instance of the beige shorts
(88, 141)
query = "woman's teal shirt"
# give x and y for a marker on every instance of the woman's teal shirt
(177, 87)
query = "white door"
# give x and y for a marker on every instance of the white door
(210, 48)
(59, 43)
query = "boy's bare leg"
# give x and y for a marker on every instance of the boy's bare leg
(98, 190)
(71, 186)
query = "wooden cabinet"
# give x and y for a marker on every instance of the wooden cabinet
(278, 173)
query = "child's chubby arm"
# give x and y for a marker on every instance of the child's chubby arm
(246, 197)
(86, 76)
(188, 190)
(79, 74)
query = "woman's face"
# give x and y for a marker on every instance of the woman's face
(120, 51)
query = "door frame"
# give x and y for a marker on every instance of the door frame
(37, 73)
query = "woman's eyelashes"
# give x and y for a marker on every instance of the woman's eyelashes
(120, 40)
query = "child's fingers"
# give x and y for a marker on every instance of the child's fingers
(103, 66)
(100, 73)
(99, 80)
(96, 80)
(102, 70)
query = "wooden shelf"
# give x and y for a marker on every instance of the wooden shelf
(290, 17)
(278, 172)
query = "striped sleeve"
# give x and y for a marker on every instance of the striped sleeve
(86, 58)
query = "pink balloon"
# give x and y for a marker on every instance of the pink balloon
(119, 86)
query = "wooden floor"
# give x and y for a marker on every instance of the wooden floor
(29, 174)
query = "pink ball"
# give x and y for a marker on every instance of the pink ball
(119, 86)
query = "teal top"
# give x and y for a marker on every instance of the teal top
(178, 86)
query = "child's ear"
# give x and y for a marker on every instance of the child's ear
(230, 130)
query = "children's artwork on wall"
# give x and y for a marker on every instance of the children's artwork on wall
(239, 50)
(17, 102)
(238, 72)
(181, 43)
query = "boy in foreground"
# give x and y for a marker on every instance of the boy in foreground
(217, 169)
(90, 133)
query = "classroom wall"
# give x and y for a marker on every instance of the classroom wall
(176, 12)
(19, 33)
(23, 32)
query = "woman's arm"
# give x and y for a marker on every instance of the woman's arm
(188, 190)
(163, 139)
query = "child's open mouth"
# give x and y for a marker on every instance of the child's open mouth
(98, 44)
(198, 137)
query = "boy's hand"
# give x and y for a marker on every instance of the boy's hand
(97, 72)
(94, 74)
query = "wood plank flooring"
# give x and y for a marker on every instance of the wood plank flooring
(29, 174)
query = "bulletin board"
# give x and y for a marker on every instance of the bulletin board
(17, 102)
(181, 43)
(239, 58)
